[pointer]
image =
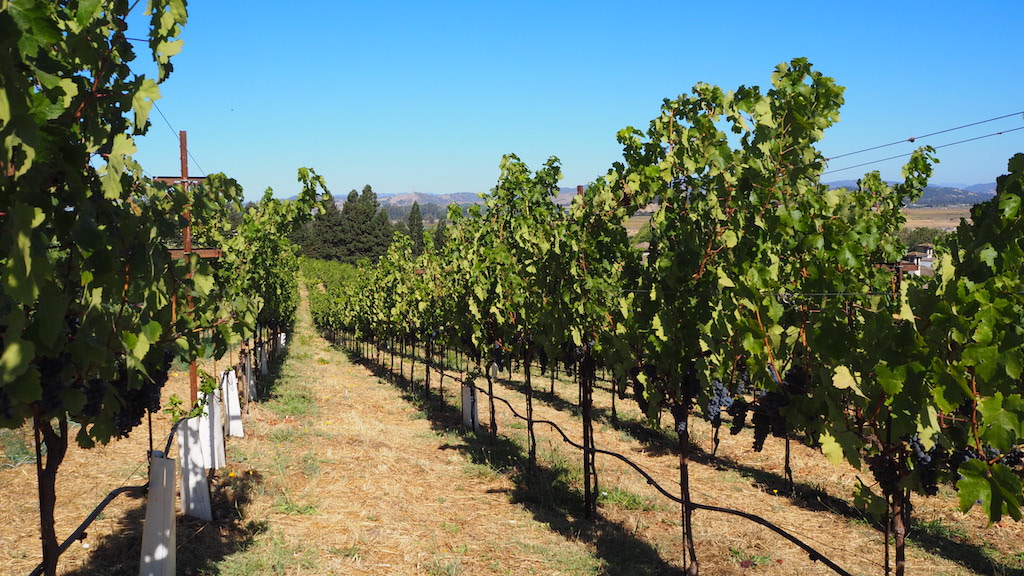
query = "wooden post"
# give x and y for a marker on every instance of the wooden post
(186, 242)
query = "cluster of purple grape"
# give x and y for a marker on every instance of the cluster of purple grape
(137, 395)
(95, 391)
(720, 399)
(925, 464)
(885, 471)
(738, 411)
(768, 418)
(498, 355)
(51, 379)
(1014, 457)
(6, 406)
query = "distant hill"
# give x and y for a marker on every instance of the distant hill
(944, 196)
(989, 189)
(409, 198)
(435, 206)
(935, 196)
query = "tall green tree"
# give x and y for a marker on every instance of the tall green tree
(440, 234)
(325, 237)
(364, 230)
(416, 229)
(381, 232)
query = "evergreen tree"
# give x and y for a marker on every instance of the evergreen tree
(416, 229)
(440, 234)
(351, 227)
(325, 237)
(360, 229)
(382, 233)
(400, 227)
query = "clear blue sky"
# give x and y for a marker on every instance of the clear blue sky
(426, 97)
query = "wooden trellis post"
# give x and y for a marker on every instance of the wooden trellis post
(179, 253)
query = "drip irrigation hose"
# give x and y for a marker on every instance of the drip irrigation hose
(79, 533)
(811, 552)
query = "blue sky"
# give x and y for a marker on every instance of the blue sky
(427, 97)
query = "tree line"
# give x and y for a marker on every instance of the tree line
(362, 230)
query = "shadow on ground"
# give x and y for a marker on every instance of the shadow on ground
(200, 544)
(547, 495)
(546, 491)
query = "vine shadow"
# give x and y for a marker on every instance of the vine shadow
(928, 537)
(201, 545)
(546, 490)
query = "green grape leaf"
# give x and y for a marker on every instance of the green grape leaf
(889, 379)
(995, 488)
(142, 102)
(15, 359)
(843, 379)
(203, 283)
(1003, 420)
(86, 11)
(841, 448)
(656, 326)
(865, 499)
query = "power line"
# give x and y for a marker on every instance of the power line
(915, 138)
(178, 136)
(904, 155)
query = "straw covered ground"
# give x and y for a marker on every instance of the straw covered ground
(345, 469)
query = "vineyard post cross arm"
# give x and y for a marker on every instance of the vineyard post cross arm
(186, 249)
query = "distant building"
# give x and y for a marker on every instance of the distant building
(921, 261)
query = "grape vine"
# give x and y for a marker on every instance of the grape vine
(755, 269)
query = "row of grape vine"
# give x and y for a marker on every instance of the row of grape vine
(763, 293)
(93, 307)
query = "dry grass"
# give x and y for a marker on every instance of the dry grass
(344, 472)
(941, 218)
(944, 541)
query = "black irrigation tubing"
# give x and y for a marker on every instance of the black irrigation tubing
(79, 533)
(170, 437)
(811, 552)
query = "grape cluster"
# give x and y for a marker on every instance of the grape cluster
(738, 411)
(690, 386)
(95, 391)
(768, 418)
(137, 395)
(797, 381)
(51, 380)
(925, 464)
(959, 457)
(498, 356)
(573, 355)
(719, 400)
(885, 471)
(743, 383)
(6, 406)
(1014, 457)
